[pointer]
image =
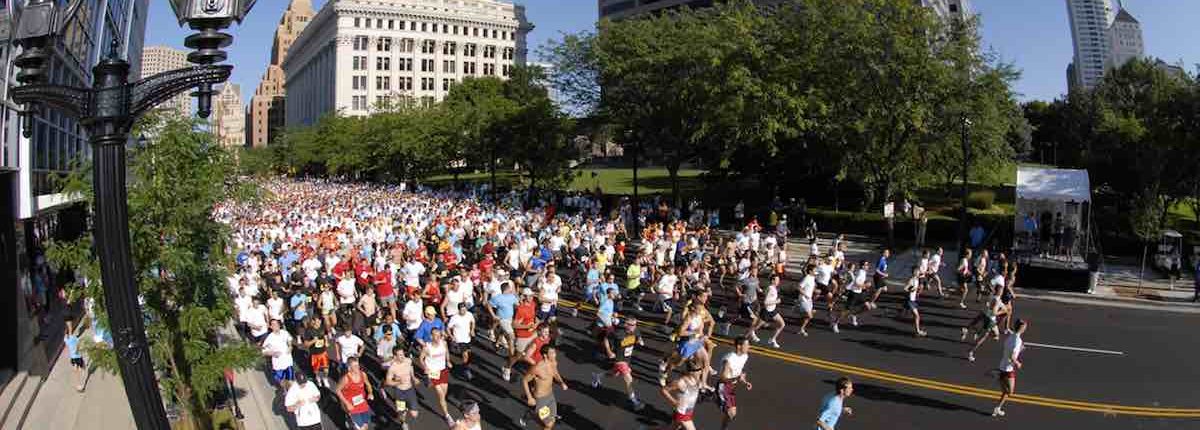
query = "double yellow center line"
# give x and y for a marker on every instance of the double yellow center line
(1103, 408)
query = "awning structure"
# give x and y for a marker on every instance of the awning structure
(1064, 185)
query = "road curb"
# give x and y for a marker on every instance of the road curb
(1115, 302)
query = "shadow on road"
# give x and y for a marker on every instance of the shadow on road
(884, 394)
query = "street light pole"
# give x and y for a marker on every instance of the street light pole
(108, 111)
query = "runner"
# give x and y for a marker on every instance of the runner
(934, 274)
(964, 277)
(880, 278)
(833, 406)
(462, 330)
(804, 301)
(983, 324)
(524, 323)
(733, 372)
(855, 295)
(278, 346)
(315, 339)
(435, 360)
(541, 399)
(354, 391)
(913, 290)
(399, 383)
(303, 400)
(471, 419)
(618, 345)
(349, 347)
(747, 290)
(501, 308)
(1010, 363)
(682, 395)
(769, 312)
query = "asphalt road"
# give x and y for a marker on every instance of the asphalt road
(1126, 369)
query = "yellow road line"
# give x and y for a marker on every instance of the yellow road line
(1108, 409)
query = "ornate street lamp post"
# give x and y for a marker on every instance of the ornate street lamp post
(108, 111)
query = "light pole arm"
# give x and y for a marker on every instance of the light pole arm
(159, 88)
(72, 101)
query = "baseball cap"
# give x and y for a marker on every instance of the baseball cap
(526, 291)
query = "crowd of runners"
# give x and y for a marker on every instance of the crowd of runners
(379, 296)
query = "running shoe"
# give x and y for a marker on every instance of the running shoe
(835, 329)
(506, 374)
(595, 380)
(971, 357)
(804, 332)
(775, 344)
(964, 335)
(662, 366)
(854, 320)
(997, 412)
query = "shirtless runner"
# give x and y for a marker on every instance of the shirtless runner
(399, 386)
(543, 376)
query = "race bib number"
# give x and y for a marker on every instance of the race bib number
(434, 375)
(401, 405)
(629, 351)
(543, 412)
(320, 343)
(357, 400)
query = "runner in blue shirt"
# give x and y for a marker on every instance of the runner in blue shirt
(832, 406)
(72, 343)
(880, 278)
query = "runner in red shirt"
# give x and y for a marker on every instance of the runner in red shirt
(385, 291)
(533, 353)
(524, 322)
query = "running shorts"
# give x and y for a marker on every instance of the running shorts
(402, 400)
(319, 361)
(621, 368)
(727, 395)
(442, 378)
(546, 409)
(687, 349)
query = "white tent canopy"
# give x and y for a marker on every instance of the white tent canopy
(1063, 185)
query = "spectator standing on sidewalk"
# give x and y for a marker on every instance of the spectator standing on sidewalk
(78, 367)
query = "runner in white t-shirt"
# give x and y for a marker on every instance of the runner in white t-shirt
(462, 330)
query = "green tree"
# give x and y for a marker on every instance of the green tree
(179, 254)
(535, 133)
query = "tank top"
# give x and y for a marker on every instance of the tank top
(687, 398)
(435, 361)
(356, 393)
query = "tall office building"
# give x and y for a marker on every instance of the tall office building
(266, 113)
(229, 116)
(1124, 40)
(357, 54)
(158, 59)
(32, 210)
(1104, 37)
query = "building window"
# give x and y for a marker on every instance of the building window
(469, 67)
(383, 63)
(379, 23)
(449, 48)
(405, 64)
(357, 22)
(447, 66)
(359, 82)
(424, 27)
(428, 46)
(391, 24)
(475, 32)
(489, 69)
(360, 103)
(469, 49)
(406, 45)
(447, 84)
(508, 53)
(405, 83)
(427, 84)
(402, 25)
(361, 43)
(368, 22)
(427, 65)
(489, 51)
(456, 30)
(506, 69)
(384, 44)
(383, 83)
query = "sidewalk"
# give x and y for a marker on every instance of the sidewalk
(103, 405)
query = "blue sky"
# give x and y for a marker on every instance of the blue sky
(1032, 34)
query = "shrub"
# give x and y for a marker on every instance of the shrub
(982, 200)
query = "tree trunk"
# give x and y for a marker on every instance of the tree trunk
(673, 172)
